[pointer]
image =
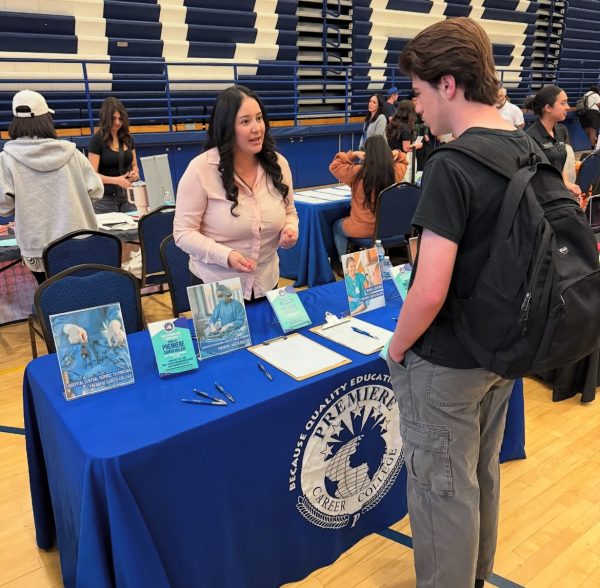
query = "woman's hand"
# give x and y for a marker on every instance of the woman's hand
(288, 237)
(123, 181)
(360, 155)
(236, 261)
(133, 175)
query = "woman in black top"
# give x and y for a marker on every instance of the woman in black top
(551, 105)
(400, 132)
(112, 154)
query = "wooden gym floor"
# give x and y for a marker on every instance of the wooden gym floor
(549, 514)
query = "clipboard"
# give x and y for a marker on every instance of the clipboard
(343, 334)
(298, 356)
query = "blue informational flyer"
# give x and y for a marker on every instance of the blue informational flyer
(219, 317)
(91, 346)
(362, 276)
(173, 347)
(401, 276)
(288, 308)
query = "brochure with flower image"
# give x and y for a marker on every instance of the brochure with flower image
(288, 308)
(91, 346)
(362, 276)
(219, 317)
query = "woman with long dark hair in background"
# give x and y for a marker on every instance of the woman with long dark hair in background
(551, 106)
(367, 173)
(112, 154)
(235, 201)
(375, 120)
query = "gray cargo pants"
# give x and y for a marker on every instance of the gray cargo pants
(452, 425)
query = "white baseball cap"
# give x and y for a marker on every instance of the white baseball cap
(35, 102)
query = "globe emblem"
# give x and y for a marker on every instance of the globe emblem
(352, 457)
(350, 480)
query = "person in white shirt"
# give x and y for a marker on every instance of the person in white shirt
(508, 111)
(590, 117)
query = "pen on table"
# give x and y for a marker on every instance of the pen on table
(224, 392)
(263, 369)
(205, 402)
(214, 400)
(365, 333)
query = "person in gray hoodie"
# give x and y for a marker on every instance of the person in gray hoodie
(45, 182)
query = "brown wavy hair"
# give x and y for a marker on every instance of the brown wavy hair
(458, 47)
(108, 108)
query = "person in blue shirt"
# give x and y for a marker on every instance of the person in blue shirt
(228, 313)
(355, 287)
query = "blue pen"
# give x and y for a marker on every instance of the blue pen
(224, 392)
(263, 369)
(361, 332)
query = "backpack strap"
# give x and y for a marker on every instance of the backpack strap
(518, 170)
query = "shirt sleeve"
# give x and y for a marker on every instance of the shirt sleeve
(380, 125)
(94, 185)
(7, 189)
(191, 204)
(400, 166)
(344, 168)
(95, 145)
(291, 215)
(443, 206)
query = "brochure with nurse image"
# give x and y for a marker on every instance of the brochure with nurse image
(362, 276)
(92, 351)
(219, 317)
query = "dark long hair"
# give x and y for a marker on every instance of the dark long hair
(221, 134)
(108, 108)
(377, 171)
(547, 95)
(380, 109)
(404, 115)
(40, 127)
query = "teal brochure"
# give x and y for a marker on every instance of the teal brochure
(288, 309)
(173, 347)
(92, 351)
(401, 276)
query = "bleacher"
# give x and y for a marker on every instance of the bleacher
(168, 59)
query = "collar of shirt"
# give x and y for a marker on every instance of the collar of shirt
(214, 158)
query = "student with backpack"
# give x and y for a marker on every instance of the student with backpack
(453, 365)
(588, 111)
(551, 106)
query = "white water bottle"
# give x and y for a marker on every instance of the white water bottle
(380, 251)
(386, 268)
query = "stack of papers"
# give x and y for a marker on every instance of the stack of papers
(116, 221)
(328, 194)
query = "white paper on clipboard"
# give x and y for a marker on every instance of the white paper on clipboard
(344, 335)
(298, 356)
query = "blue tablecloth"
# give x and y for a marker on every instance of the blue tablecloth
(142, 490)
(308, 261)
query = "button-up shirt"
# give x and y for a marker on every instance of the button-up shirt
(205, 228)
(553, 147)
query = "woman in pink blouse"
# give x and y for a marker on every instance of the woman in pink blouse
(235, 201)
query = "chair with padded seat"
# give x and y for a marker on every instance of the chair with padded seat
(393, 215)
(86, 286)
(179, 277)
(153, 228)
(588, 176)
(75, 248)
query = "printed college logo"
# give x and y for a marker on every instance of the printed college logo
(349, 454)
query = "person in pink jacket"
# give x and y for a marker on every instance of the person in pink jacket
(235, 201)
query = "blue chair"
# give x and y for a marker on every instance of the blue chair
(393, 215)
(79, 247)
(75, 248)
(588, 176)
(179, 277)
(152, 229)
(86, 286)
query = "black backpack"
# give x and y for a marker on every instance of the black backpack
(536, 303)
